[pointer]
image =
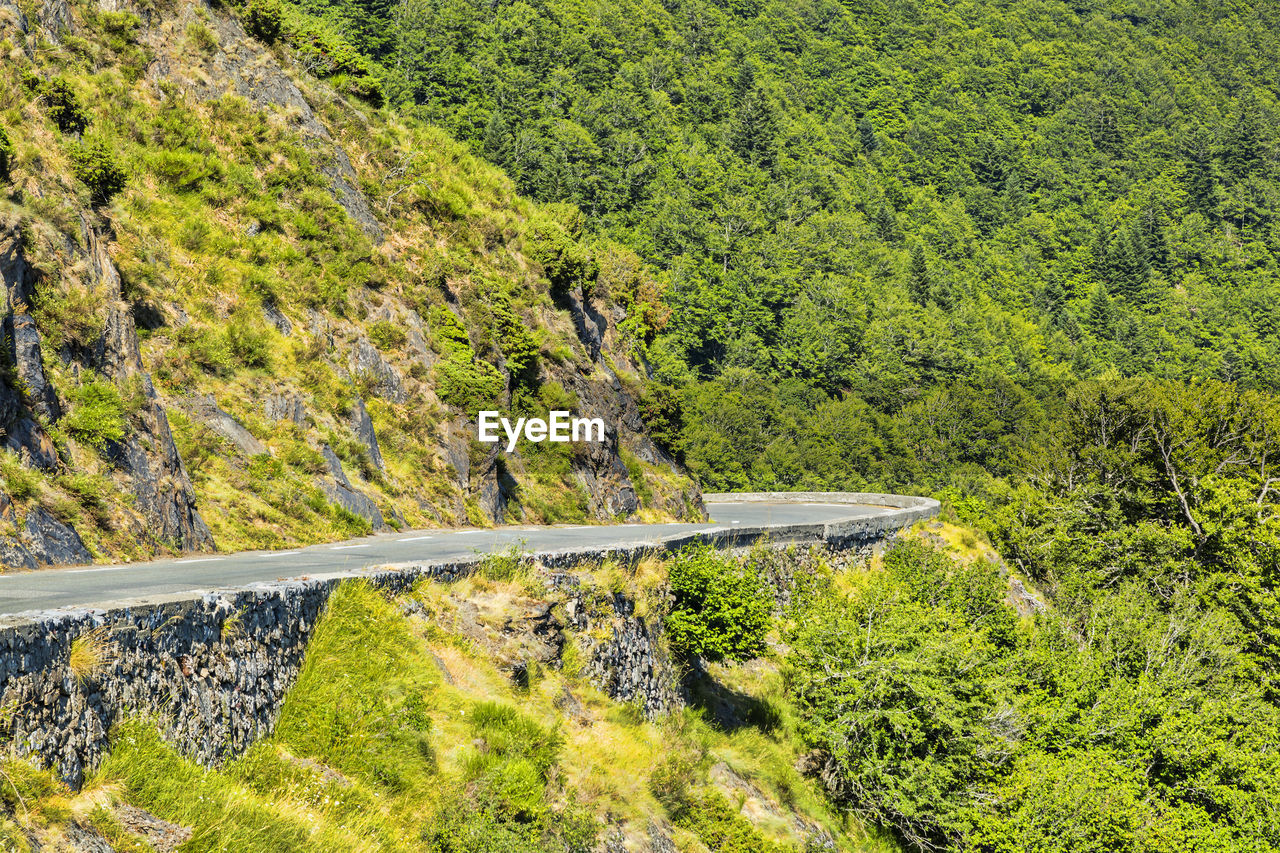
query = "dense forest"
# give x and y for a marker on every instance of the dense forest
(1020, 254)
(852, 207)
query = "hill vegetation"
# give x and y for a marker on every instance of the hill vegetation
(245, 309)
(863, 214)
(1021, 254)
(405, 731)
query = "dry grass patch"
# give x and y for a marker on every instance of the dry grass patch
(90, 654)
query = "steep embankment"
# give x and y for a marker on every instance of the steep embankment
(243, 309)
(519, 709)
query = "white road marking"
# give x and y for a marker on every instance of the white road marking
(414, 539)
(735, 521)
(86, 571)
(281, 553)
(345, 547)
(201, 560)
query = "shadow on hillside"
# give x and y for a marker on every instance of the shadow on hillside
(724, 707)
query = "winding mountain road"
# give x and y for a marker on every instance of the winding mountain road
(92, 586)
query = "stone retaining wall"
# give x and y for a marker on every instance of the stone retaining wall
(214, 666)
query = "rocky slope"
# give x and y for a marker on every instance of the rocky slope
(243, 309)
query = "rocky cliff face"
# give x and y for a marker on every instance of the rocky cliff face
(144, 454)
(280, 328)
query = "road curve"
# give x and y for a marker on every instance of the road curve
(734, 518)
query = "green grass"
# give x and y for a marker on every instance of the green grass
(225, 814)
(361, 702)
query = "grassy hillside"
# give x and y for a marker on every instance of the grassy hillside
(405, 731)
(314, 296)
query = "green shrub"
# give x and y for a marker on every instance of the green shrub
(719, 825)
(722, 609)
(249, 343)
(460, 826)
(518, 345)
(19, 481)
(503, 566)
(263, 19)
(303, 457)
(565, 261)
(6, 155)
(205, 348)
(514, 761)
(64, 106)
(92, 491)
(96, 166)
(97, 413)
(671, 781)
(451, 336)
(182, 170)
(330, 55)
(387, 336)
(469, 385)
(201, 37)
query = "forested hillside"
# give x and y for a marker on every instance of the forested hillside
(861, 202)
(1021, 254)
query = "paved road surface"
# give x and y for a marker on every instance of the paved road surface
(90, 585)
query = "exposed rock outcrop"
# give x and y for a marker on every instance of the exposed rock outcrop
(366, 363)
(1023, 600)
(160, 481)
(514, 633)
(147, 454)
(24, 436)
(14, 272)
(607, 481)
(340, 491)
(588, 323)
(55, 19)
(362, 425)
(286, 406)
(660, 838)
(163, 836)
(28, 363)
(277, 319)
(487, 484)
(206, 410)
(40, 540)
(12, 18)
(52, 542)
(456, 447)
(22, 433)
